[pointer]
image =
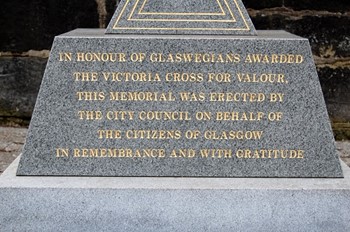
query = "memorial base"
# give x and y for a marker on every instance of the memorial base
(173, 204)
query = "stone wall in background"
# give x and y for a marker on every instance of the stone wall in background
(27, 29)
(326, 25)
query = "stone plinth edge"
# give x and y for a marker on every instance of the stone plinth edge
(173, 204)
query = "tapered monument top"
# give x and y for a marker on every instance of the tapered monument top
(207, 17)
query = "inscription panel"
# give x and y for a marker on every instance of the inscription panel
(195, 107)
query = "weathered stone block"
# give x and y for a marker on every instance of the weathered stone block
(321, 5)
(326, 41)
(262, 3)
(26, 25)
(336, 88)
(20, 79)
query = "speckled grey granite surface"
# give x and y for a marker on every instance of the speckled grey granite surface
(173, 204)
(181, 17)
(304, 125)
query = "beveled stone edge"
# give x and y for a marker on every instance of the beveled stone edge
(9, 180)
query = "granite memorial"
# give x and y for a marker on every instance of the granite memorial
(179, 102)
(184, 88)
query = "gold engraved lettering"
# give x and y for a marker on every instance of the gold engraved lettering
(184, 77)
(91, 96)
(195, 58)
(237, 97)
(192, 134)
(120, 115)
(183, 153)
(90, 115)
(164, 116)
(232, 135)
(118, 153)
(216, 153)
(274, 59)
(153, 134)
(76, 153)
(270, 154)
(275, 116)
(100, 57)
(203, 116)
(141, 96)
(219, 77)
(192, 97)
(262, 78)
(65, 56)
(239, 116)
(131, 77)
(138, 57)
(62, 152)
(276, 97)
(109, 134)
(85, 76)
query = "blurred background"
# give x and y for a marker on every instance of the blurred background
(28, 27)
